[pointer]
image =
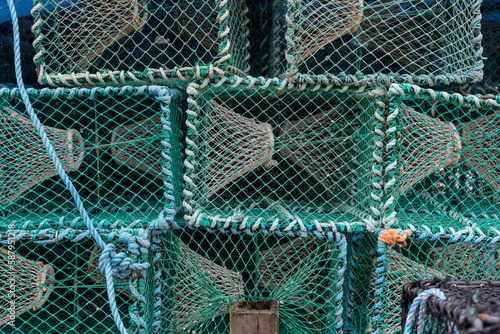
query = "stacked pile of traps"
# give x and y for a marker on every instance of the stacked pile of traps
(163, 162)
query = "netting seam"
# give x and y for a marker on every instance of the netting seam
(379, 285)
(274, 59)
(157, 278)
(342, 245)
(405, 91)
(352, 278)
(391, 166)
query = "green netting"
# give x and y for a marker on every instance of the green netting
(205, 272)
(90, 41)
(427, 256)
(55, 288)
(426, 42)
(117, 146)
(280, 157)
(446, 176)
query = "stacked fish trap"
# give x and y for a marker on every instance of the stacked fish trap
(115, 145)
(305, 276)
(103, 42)
(260, 154)
(47, 286)
(377, 41)
(447, 180)
(424, 257)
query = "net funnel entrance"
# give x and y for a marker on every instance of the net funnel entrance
(87, 28)
(25, 288)
(23, 170)
(120, 147)
(93, 42)
(279, 157)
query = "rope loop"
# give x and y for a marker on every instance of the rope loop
(420, 302)
(121, 265)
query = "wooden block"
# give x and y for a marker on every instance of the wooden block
(254, 317)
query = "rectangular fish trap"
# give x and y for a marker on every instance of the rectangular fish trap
(443, 169)
(51, 286)
(424, 256)
(261, 156)
(121, 148)
(205, 272)
(415, 41)
(465, 306)
(112, 42)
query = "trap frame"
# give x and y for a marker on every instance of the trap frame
(91, 42)
(245, 139)
(427, 42)
(124, 147)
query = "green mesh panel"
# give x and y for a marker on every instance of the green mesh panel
(446, 175)
(57, 288)
(427, 42)
(205, 272)
(113, 145)
(424, 258)
(132, 41)
(266, 157)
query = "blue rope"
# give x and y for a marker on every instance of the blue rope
(110, 263)
(420, 302)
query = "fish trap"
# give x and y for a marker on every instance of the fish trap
(423, 42)
(113, 42)
(47, 286)
(259, 157)
(204, 273)
(444, 176)
(117, 146)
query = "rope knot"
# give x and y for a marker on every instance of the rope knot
(393, 237)
(121, 265)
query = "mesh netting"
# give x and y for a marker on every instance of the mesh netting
(206, 272)
(467, 306)
(54, 290)
(428, 42)
(114, 143)
(281, 157)
(131, 41)
(446, 174)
